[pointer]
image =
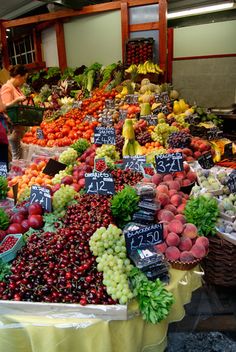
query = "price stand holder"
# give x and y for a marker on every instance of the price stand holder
(99, 183)
(206, 161)
(131, 99)
(3, 169)
(110, 104)
(151, 119)
(39, 134)
(168, 163)
(42, 196)
(231, 182)
(104, 135)
(134, 162)
(146, 236)
(53, 167)
(123, 114)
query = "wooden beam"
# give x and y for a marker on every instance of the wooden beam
(37, 45)
(61, 48)
(44, 25)
(144, 26)
(170, 54)
(133, 3)
(163, 35)
(62, 14)
(124, 26)
(5, 55)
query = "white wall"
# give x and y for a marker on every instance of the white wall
(49, 47)
(206, 39)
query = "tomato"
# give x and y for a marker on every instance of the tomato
(51, 136)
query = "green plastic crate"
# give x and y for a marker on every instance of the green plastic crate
(25, 115)
(11, 253)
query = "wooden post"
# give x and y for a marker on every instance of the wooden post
(5, 55)
(170, 55)
(37, 45)
(163, 35)
(61, 48)
(124, 26)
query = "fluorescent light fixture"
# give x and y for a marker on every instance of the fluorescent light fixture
(8, 30)
(200, 10)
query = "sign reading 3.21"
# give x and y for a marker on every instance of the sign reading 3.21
(168, 163)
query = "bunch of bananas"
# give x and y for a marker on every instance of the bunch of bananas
(131, 146)
(147, 67)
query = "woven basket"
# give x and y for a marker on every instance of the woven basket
(220, 264)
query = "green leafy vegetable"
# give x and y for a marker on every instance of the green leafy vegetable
(203, 213)
(124, 204)
(80, 146)
(153, 298)
(4, 220)
(107, 73)
(53, 71)
(5, 269)
(51, 222)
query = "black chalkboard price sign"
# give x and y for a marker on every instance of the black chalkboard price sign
(168, 163)
(42, 196)
(131, 98)
(3, 169)
(228, 151)
(151, 119)
(39, 134)
(206, 161)
(141, 238)
(53, 167)
(231, 182)
(99, 183)
(134, 162)
(104, 135)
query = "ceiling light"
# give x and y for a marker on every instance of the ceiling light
(200, 10)
(8, 30)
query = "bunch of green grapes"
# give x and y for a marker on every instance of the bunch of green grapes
(58, 177)
(161, 133)
(108, 152)
(109, 247)
(68, 157)
(150, 157)
(180, 119)
(62, 198)
(24, 195)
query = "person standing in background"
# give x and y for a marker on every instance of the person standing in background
(11, 94)
(4, 156)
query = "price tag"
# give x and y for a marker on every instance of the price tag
(53, 167)
(228, 151)
(214, 133)
(168, 163)
(39, 134)
(109, 103)
(231, 182)
(165, 110)
(206, 161)
(3, 169)
(77, 104)
(134, 162)
(146, 236)
(193, 119)
(151, 119)
(107, 120)
(99, 183)
(165, 97)
(42, 196)
(123, 114)
(104, 135)
(131, 99)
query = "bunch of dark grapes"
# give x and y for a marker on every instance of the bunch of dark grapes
(143, 137)
(179, 140)
(170, 120)
(119, 143)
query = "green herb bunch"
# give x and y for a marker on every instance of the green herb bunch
(80, 146)
(154, 300)
(3, 187)
(203, 213)
(5, 269)
(4, 220)
(124, 204)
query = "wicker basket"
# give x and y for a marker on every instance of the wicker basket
(220, 264)
(25, 115)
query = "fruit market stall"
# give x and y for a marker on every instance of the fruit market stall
(113, 214)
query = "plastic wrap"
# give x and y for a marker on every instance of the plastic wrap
(32, 149)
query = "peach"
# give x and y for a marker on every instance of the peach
(176, 200)
(167, 178)
(198, 251)
(161, 247)
(171, 208)
(181, 218)
(163, 199)
(172, 192)
(175, 226)
(162, 189)
(166, 215)
(185, 243)
(186, 165)
(186, 257)
(156, 179)
(191, 176)
(203, 241)
(190, 230)
(189, 158)
(165, 230)
(181, 208)
(186, 182)
(180, 174)
(172, 253)
(174, 185)
(197, 154)
(172, 239)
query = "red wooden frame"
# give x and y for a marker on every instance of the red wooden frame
(203, 57)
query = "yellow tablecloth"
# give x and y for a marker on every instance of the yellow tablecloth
(20, 333)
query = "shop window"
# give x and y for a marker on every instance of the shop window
(22, 51)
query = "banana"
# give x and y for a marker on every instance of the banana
(137, 148)
(128, 129)
(125, 149)
(131, 148)
(217, 156)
